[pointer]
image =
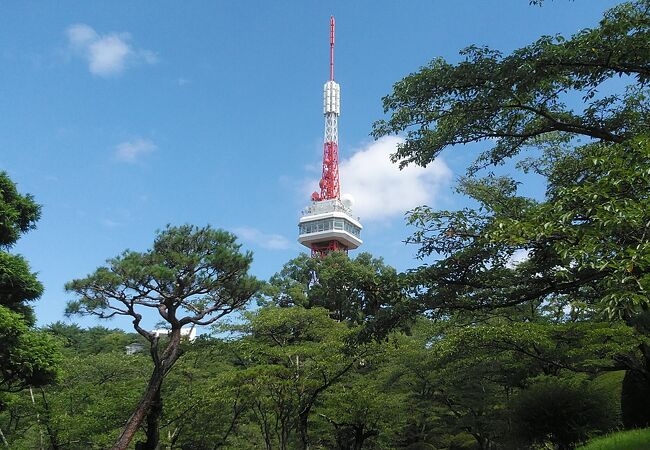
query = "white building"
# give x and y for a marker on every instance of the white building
(328, 221)
(189, 333)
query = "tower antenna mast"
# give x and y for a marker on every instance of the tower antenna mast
(327, 224)
(329, 182)
(332, 33)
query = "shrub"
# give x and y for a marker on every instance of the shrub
(562, 412)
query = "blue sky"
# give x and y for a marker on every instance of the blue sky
(121, 117)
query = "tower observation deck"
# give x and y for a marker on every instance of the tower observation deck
(328, 224)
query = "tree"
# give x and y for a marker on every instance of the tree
(27, 357)
(459, 377)
(362, 290)
(292, 356)
(564, 411)
(92, 340)
(587, 242)
(85, 410)
(520, 100)
(192, 277)
(590, 233)
(365, 411)
(206, 402)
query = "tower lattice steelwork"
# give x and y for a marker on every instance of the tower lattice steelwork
(327, 224)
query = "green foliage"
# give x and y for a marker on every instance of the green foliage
(517, 100)
(27, 356)
(623, 440)
(291, 356)
(450, 390)
(459, 377)
(191, 276)
(85, 409)
(362, 412)
(524, 333)
(562, 411)
(92, 340)
(443, 386)
(611, 383)
(205, 401)
(96, 396)
(363, 290)
(635, 396)
(595, 222)
(18, 284)
(199, 271)
(586, 243)
(18, 213)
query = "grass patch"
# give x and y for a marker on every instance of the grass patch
(623, 440)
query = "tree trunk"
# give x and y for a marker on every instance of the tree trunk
(4, 440)
(54, 442)
(165, 363)
(635, 394)
(483, 443)
(635, 397)
(134, 422)
(302, 426)
(359, 437)
(267, 438)
(153, 425)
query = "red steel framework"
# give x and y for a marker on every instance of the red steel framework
(322, 249)
(329, 183)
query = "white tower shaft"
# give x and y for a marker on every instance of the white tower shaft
(332, 110)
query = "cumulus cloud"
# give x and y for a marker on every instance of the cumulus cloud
(107, 55)
(380, 189)
(265, 240)
(131, 151)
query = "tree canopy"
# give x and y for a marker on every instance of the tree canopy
(579, 108)
(361, 290)
(191, 277)
(27, 357)
(520, 100)
(589, 233)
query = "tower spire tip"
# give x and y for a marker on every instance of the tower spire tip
(332, 33)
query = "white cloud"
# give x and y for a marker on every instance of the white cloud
(380, 189)
(109, 54)
(517, 257)
(130, 151)
(264, 240)
(81, 35)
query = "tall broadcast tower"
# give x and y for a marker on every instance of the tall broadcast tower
(327, 223)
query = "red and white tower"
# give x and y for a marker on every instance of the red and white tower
(329, 183)
(327, 224)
